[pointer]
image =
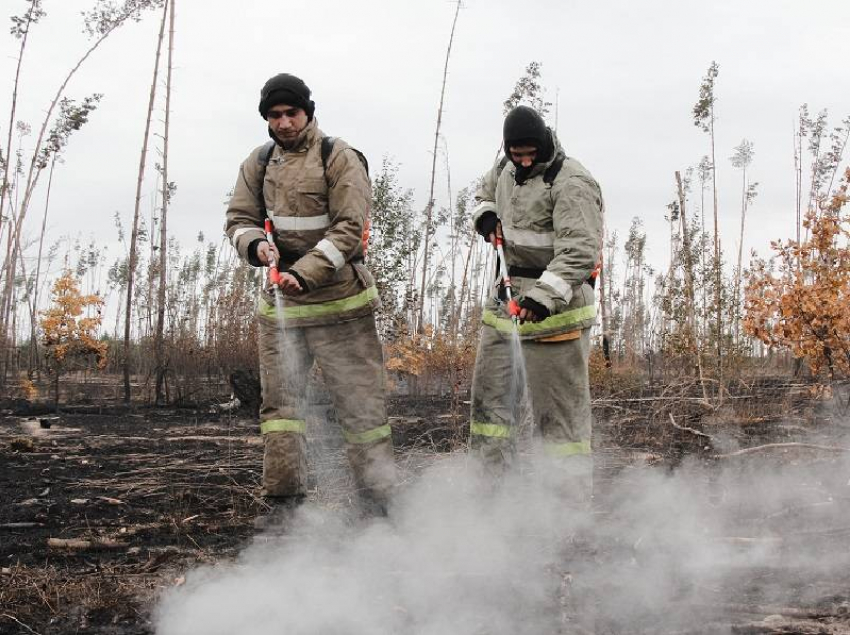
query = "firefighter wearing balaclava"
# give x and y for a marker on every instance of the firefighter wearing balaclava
(316, 192)
(549, 211)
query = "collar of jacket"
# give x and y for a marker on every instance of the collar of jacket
(310, 135)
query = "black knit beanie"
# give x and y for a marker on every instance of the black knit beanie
(286, 89)
(524, 126)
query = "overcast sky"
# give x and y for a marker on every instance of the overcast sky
(626, 74)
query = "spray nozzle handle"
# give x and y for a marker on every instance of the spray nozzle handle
(274, 275)
(513, 308)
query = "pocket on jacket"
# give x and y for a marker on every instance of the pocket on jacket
(363, 274)
(312, 197)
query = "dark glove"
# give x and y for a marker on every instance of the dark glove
(252, 253)
(486, 224)
(535, 307)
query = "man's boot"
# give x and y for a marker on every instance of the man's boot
(373, 504)
(280, 513)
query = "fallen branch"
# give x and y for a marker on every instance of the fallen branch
(687, 429)
(750, 540)
(78, 544)
(781, 446)
(19, 622)
(20, 525)
(111, 501)
(676, 398)
(836, 610)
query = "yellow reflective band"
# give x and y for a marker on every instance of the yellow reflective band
(559, 320)
(567, 449)
(493, 430)
(321, 309)
(370, 436)
(283, 425)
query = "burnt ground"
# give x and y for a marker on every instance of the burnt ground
(101, 512)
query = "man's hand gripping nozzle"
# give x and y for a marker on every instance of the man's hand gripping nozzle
(274, 273)
(513, 305)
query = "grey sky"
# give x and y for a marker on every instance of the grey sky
(627, 75)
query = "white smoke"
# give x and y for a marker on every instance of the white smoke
(662, 551)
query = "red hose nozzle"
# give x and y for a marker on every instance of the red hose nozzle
(513, 308)
(274, 276)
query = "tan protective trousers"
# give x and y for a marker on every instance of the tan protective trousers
(559, 390)
(350, 358)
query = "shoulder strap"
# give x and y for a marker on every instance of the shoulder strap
(263, 159)
(552, 171)
(327, 148)
(363, 160)
(501, 167)
(265, 155)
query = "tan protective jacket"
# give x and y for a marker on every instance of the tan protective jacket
(556, 228)
(319, 218)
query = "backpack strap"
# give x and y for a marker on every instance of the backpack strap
(327, 148)
(265, 155)
(552, 171)
(263, 159)
(501, 167)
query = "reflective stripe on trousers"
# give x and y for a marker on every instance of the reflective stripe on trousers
(298, 426)
(369, 436)
(497, 431)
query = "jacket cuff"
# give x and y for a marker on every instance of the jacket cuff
(252, 253)
(297, 276)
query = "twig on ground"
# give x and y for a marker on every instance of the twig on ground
(19, 622)
(786, 611)
(781, 446)
(78, 544)
(687, 429)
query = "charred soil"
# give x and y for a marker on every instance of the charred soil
(102, 512)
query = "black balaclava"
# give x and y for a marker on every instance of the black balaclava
(286, 89)
(525, 127)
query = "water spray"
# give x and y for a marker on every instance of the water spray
(513, 305)
(274, 273)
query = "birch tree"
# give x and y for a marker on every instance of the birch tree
(704, 118)
(168, 190)
(429, 208)
(742, 159)
(134, 234)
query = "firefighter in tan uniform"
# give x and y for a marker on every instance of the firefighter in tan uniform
(549, 210)
(316, 192)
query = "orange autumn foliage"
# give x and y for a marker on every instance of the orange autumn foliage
(69, 326)
(800, 299)
(428, 353)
